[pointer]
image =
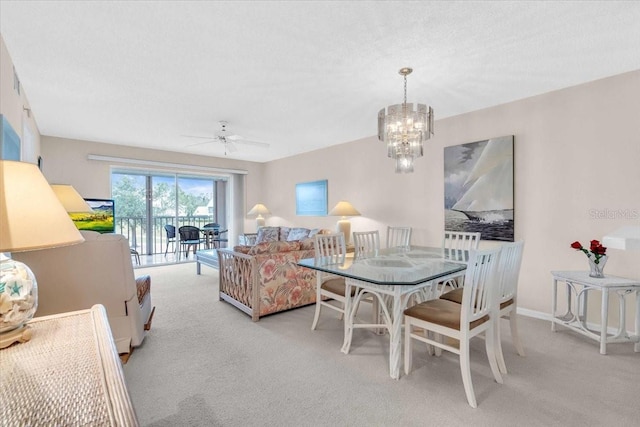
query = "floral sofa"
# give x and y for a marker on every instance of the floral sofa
(265, 278)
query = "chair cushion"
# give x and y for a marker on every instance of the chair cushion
(506, 303)
(336, 286)
(453, 296)
(456, 296)
(143, 287)
(441, 312)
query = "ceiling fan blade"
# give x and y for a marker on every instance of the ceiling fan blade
(254, 143)
(212, 138)
(200, 143)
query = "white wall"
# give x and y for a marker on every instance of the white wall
(576, 176)
(65, 161)
(577, 173)
(12, 106)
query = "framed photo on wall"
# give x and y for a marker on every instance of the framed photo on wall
(311, 198)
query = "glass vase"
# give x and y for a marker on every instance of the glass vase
(596, 270)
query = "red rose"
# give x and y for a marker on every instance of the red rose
(576, 245)
(599, 250)
(595, 244)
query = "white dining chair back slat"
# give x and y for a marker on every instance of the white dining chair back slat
(366, 244)
(398, 237)
(457, 244)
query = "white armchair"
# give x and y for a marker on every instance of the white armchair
(97, 271)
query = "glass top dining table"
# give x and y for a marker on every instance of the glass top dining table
(393, 275)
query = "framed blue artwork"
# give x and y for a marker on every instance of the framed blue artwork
(9, 141)
(311, 198)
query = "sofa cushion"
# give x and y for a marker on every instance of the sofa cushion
(307, 244)
(315, 231)
(143, 287)
(269, 247)
(298, 234)
(268, 234)
(247, 239)
(243, 249)
(284, 233)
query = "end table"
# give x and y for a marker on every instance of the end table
(578, 285)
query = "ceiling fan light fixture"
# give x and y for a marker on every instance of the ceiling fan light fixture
(229, 141)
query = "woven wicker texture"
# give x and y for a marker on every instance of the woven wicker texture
(45, 383)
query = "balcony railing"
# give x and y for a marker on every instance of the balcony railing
(135, 229)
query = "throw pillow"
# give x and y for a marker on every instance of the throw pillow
(315, 231)
(284, 233)
(268, 234)
(298, 234)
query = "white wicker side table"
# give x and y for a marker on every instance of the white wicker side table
(578, 286)
(68, 374)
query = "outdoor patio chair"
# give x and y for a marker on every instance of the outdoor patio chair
(189, 238)
(171, 236)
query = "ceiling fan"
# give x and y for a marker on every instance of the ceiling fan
(228, 140)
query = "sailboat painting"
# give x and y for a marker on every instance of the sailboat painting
(478, 188)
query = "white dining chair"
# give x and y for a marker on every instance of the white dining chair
(477, 314)
(456, 247)
(329, 249)
(398, 237)
(366, 244)
(510, 261)
(507, 282)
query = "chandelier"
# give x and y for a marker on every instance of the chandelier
(405, 130)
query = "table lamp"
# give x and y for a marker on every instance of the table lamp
(31, 218)
(344, 209)
(71, 200)
(259, 210)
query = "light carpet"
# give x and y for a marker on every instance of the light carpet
(205, 363)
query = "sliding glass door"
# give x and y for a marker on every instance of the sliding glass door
(148, 204)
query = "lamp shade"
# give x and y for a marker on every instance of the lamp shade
(31, 216)
(259, 209)
(71, 200)
(625, 238)
(344, 208)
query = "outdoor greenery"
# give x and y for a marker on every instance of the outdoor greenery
(130, 198)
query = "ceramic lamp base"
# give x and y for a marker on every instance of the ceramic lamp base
(260, 221)
(344, 226)
(18, 296)
(22, 334)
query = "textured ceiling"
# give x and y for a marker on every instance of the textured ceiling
(297, 75)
